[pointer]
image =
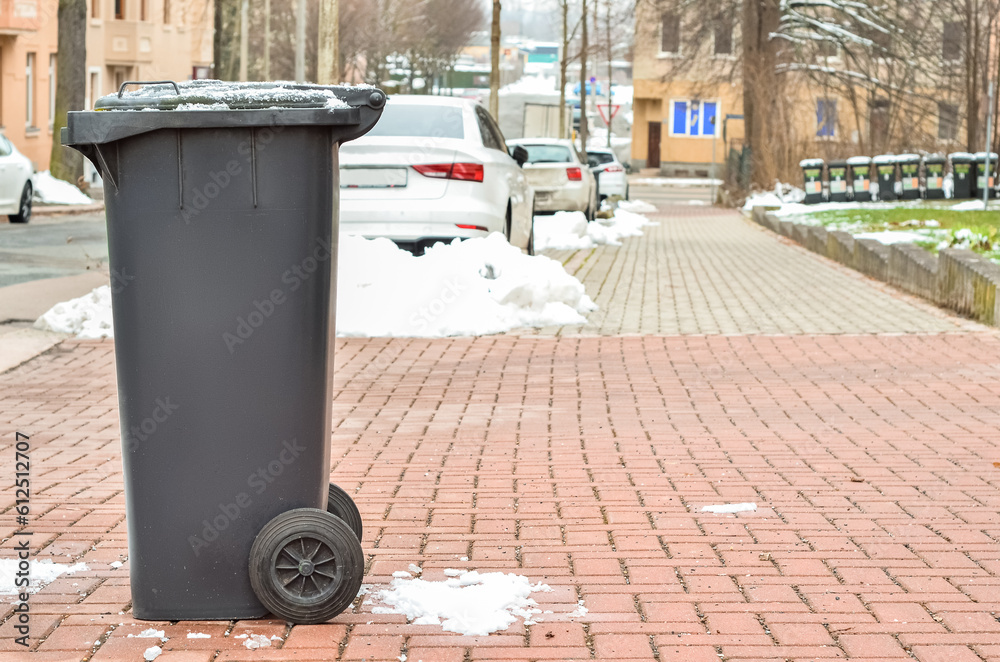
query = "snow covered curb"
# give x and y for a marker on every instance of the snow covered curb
(52, 191)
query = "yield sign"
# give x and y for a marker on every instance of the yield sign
(602, 108)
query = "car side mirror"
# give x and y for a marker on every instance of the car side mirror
(519, 154)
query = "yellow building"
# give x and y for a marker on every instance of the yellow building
(687, 72)
(29, 34)
(146, 40)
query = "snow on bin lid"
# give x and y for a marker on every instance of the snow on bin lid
(981, 156)
(960, 156)
(934, 158)
(859, 160)
(219, 95)
(811, 163)
(350, 111)
(908, 158)
(884, 159)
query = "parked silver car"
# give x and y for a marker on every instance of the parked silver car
(560, 176)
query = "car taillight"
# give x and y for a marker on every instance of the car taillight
(613, 168)
(574, 174)
(470, 172)
(465, 226)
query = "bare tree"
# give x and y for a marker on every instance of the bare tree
(568, 36)
(71, 84)
(495, 62)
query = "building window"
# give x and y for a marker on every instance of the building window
(52, 90)
(724, 34)
(95, 8)
(693, 118)
(826, 118)
(951, 41)
(142, 10)
(947, 121)
(120, 9)
(29, 91)
(166, 12)
(670, 33)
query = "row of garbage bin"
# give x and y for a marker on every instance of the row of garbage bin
(899, 176)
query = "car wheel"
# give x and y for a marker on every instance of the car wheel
(626, 192)
(507, 225)
(23, 214)
(531, 237)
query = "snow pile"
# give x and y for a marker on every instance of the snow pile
(471, 603)
(466, 288)
(889, 237)
(637, 206)
(88, 316)
(52, 191)
(255, 641)
(42, 573)
(782, 194)
(532, 85)
(727, 508)
(152, 653)
(969, 205)
(569, 230)
(677, 181)
(474, 287)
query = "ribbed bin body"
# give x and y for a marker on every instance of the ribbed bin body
(222, 237)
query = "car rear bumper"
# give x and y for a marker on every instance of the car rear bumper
(415, 221)
(564, 198)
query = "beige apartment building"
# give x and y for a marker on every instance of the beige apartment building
(689, 96)
(126, 40)
(28, 43)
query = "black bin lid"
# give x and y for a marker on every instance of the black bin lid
(216, 104)
(839, 163)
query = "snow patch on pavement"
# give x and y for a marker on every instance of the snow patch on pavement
(471, 604)
(726, 508)
(569, 230)
(152, 653)
(42, 573)
(637, 206)
(52, 191)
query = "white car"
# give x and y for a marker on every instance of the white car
(560, 176)
(610, 173)
(433, 169)
(15, 183)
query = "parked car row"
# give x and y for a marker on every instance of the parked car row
(438, 168)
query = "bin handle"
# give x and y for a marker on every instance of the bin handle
(121, 90)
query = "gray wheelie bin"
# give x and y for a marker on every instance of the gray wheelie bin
(934, 176)
(909, 176)
(812, 175)
(859, 174)
(961, 170)
(885, 169)
(985, 180)
(837, 176)
(222, 229)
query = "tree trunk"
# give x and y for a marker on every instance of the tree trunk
(495, 63)
(583, 81)
(607, 19)
(225, 42)
(760, 87)
(973, 89)
(71, 85)
(563, 66)
(328, 71)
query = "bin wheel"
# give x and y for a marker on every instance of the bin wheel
(342, 505)
(306, 566)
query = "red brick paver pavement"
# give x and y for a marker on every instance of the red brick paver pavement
(584, 463)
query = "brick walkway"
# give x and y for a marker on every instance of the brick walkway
(707, 270)
(584, 463)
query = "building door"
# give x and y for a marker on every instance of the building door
(653, 148)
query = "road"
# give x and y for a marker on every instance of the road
(52, 246)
